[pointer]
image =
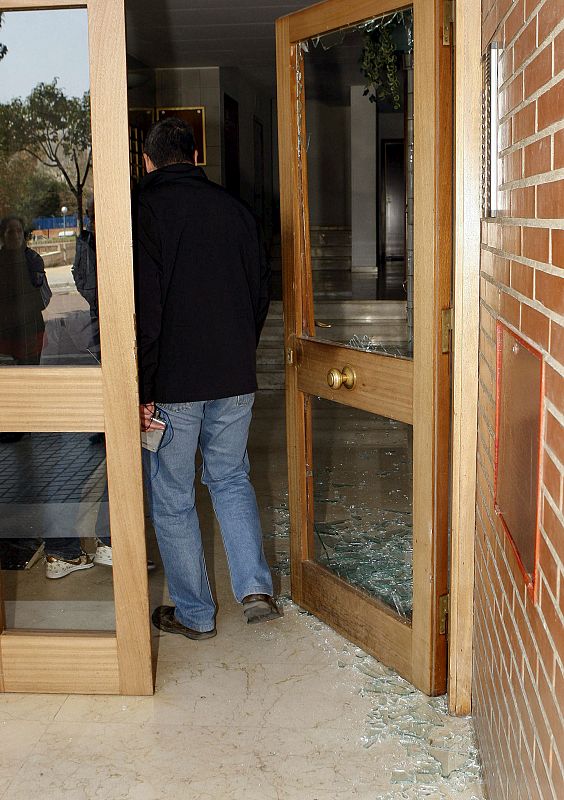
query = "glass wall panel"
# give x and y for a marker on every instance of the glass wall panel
(48, 288)
(363, 492)
(54, 522)
(357, 130)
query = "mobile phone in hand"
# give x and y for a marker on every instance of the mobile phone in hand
(151, 440)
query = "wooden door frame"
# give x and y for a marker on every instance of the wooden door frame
(95, 398)
(430, 459)
(468, 160)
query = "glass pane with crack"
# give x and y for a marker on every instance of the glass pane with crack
(362, 473)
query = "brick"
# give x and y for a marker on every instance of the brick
(535, 326)
(505, 133)
(550, 200)
(510, 309)
(515, 93)
(556, 348)
(544, 645)
(548, 565)
(544, 742)
(554, 438)
(523, 202)
(505, 65)
(522, 278)
(535, 244)
(553, 386)
(524, 123)
(512, 166)
(500, 270)
(557, 247)
(539, 71)
(525, 43)
(551, 106)
(548, 291)
(511, 239)
(489, 27)
(486, 261)
(559, 53)
(549, 17)
(537, 157)
(557, 775)
(494, 235)
(552, 480)
(559, 146)
(551, 615)
(514, 22)
(511, 96)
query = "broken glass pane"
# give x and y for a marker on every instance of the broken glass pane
(362, 469)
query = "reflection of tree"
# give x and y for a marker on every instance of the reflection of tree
(3, 48)
(31, 190)
(55, 130)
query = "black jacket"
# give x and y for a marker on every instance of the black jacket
(202, 288)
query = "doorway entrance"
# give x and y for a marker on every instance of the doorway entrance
(369, 514)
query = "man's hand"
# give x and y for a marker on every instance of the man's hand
(147, 418)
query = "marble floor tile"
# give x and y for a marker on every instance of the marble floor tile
(87, 761)
(29, 707)
(19, 740)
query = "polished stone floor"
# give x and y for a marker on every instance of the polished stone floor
(276, 711)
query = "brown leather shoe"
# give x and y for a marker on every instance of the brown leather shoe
(260, 608)
(164, 619)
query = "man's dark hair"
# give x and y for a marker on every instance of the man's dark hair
(170, 141)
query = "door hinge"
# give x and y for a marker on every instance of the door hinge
(443, 613)
(289, 356)
(448, 22)
(447, 318)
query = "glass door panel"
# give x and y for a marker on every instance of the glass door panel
(48, 287)
(54, 510)
(363, 501)
(358, 132)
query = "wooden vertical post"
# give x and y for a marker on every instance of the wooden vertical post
(468, 80)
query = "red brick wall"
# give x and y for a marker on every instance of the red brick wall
(518, 641)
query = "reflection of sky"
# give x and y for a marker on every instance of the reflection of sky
(43, 45)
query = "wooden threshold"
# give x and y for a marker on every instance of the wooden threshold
(68, 662)
(363, 620)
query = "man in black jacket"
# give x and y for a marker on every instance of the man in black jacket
(202, 294)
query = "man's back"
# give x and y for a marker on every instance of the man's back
(202, 288)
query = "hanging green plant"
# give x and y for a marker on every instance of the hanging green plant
(379, 65)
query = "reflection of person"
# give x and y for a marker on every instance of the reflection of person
(84, 266)
(202, 301)
(24, 293)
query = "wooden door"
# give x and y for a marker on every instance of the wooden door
(367, 414)
(87, 632)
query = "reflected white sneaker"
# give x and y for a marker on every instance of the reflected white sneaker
(103, 554)
(58, 567)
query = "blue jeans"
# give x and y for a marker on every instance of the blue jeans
(220, 428)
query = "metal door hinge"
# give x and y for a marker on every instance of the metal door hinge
(289, 356)
(447, 318)
(443, 612)
(448, 21)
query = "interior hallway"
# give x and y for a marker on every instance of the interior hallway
(272, 712)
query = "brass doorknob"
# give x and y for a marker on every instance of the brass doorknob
(346, 378)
